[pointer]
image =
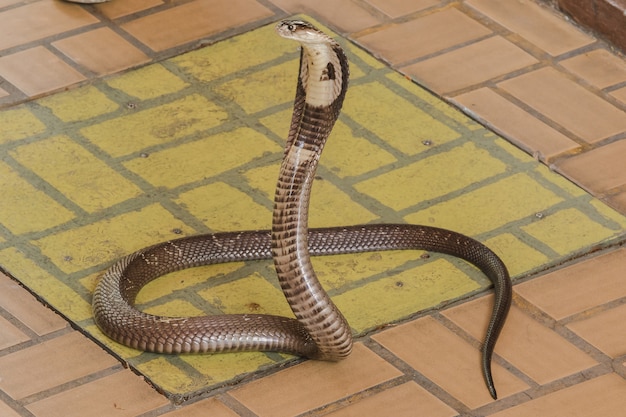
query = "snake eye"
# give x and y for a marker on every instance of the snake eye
(291, 28)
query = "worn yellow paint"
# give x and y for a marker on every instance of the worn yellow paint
(435, 102)
(345, 153)
(332, 207)
(24, 208)
(203, 158)
(511, 199)
(403, 294)
(149, 82)
(169, 376)
(354, 269)
(55, 292)
(568, 230)
(156, 125)
(260, 90)
(223, 367)
(394, 119)
(119, 349)
(200, 148)
(518, 257)
(106, 240)
(432, 177)
(609, 214)
(19, 123)
(224, 208)
(178, 284)
(249, 295)
(174, 308)
(78, 174)
(79, 104)
(235, 54)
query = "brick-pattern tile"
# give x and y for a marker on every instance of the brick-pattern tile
(547, 293)
(313, 384)
(333, 11)
(101, 51)
(547, 91)
(121, 394)
(600, 169)
(518, 125)
(24, 307)
(211, 407)
(604, 331)
(7, 411)
(599, 68)
(117, 9)
(50, 364)
(473, 64)
(602, 396)
(537, 24)
(398, 43)
(40, 19)
(406, 400)
(397, 8)
(37, 70)
(447, 360)
(620, 94)
(10, 335)
(531, 347)
(200, 18)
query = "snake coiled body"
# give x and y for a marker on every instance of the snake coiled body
(319, 330)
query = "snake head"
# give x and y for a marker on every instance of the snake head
(301, 31)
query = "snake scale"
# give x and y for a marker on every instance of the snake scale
(319, 330)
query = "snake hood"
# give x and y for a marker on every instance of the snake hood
(324, 69)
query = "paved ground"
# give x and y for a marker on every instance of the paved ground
(73, 190)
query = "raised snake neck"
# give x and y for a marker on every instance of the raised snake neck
(319, 331)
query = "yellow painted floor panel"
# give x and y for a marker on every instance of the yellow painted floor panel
(192, 145)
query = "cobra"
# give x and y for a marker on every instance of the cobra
(319, 330)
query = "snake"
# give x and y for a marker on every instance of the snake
(319, 329)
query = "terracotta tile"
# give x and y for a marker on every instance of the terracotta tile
(519, 126)
(10, 335)
(211, 407)
(599, 67)
(397, 8)
(620, 94)
(589, 283)
(403, 42)
(406, 400)
(37, 70)
(334, 12)
(50, 364)
(537, 24)
(101, 51)
(606, 331)
(116, 9)
(602, 396)
(6, 411)
(313, 384)
(200, 18)
(24, 307)
(598, 170)
(447, 360)
(532, 348)
(568, 104)
(122, 394)
(40, 19)
(618, 201)
(472, 64)
(5, 3)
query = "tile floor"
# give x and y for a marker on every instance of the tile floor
(517, 67)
